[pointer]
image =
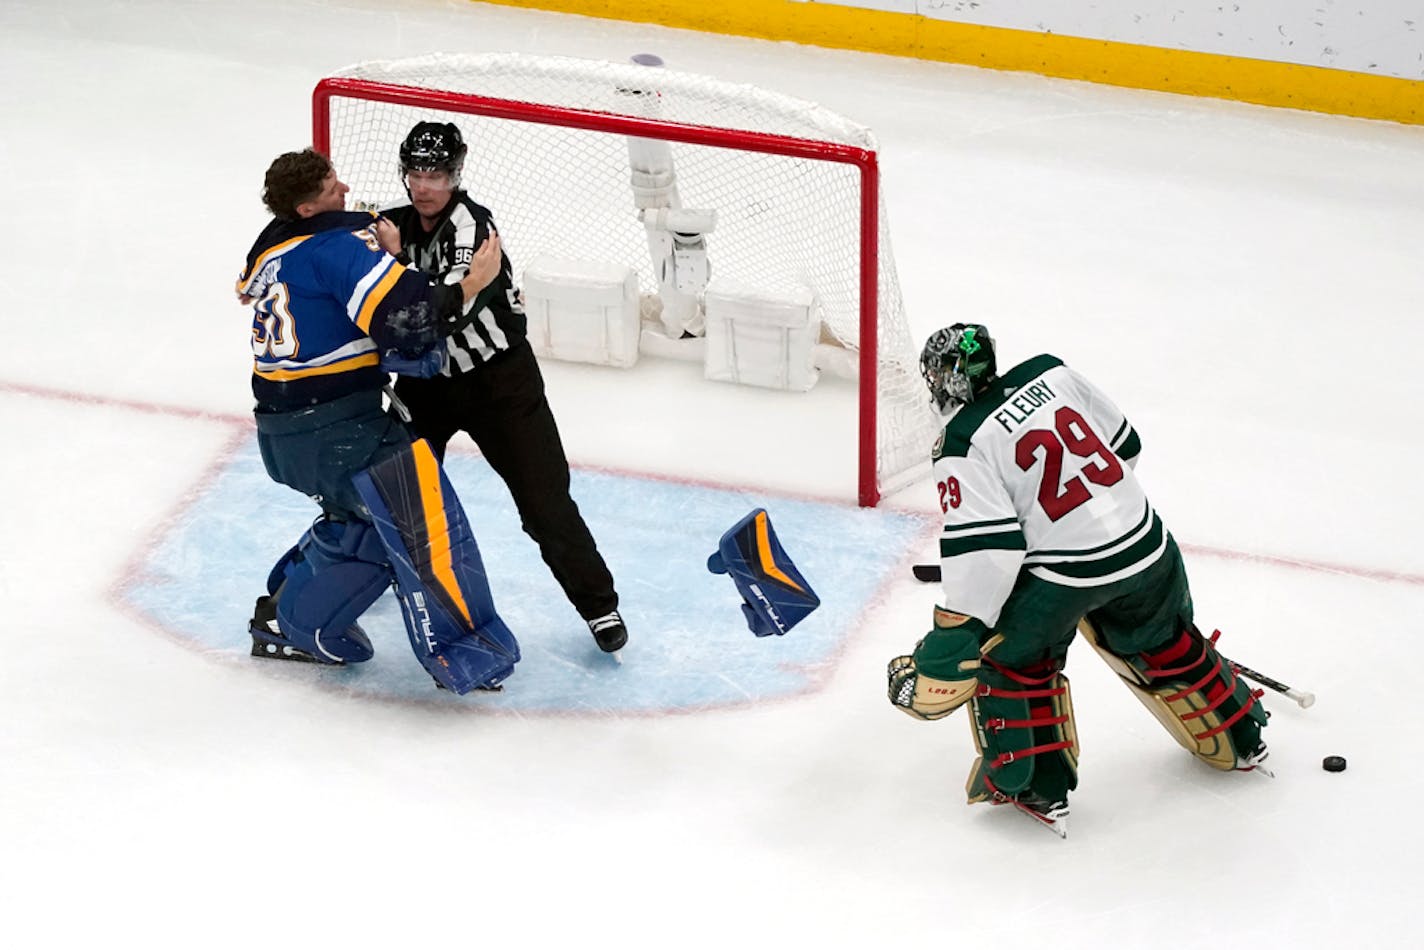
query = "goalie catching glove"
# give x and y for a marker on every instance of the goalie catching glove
(943, 672)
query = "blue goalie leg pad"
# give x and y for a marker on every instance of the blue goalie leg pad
(776, 596)
(336, 571)
(445, 598)
(278, 574)
(269, 641)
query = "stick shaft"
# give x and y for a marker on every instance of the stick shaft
(930, 573)
(1303, 697)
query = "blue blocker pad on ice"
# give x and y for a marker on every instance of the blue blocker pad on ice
(688, 647)
(440, 579)
(776, 596)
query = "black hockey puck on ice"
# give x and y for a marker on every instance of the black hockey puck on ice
(1333, 763)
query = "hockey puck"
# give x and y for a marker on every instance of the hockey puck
(1333, 763)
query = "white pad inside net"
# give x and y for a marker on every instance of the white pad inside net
(558, 187)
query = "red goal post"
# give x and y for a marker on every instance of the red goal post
(359, 115)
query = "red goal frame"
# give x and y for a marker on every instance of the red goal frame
(865, 161)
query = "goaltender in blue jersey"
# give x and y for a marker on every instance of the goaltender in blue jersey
(329, 304)
(332, 315)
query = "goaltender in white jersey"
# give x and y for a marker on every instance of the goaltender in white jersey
(1046, 532)
(1037, 472)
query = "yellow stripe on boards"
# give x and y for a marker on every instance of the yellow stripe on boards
(437, 528)
(1261, 82)
(768, 563)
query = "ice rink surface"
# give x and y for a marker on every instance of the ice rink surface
(1243, 281)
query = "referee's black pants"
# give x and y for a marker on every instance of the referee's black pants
(501, 404)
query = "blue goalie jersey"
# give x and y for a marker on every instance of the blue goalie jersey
(327, 304)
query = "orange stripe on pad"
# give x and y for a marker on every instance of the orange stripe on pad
(764, 552)
(437, 528)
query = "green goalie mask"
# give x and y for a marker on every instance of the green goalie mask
(957, 364)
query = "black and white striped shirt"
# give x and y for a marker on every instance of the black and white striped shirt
(496, 321)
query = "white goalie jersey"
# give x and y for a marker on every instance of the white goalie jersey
(1036, 474)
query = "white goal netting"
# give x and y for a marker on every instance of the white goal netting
(794, 188)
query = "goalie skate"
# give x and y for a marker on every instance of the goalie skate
(1046, 814)
(1255, 762)
(496, 688)
(269, 642)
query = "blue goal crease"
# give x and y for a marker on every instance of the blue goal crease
(689, 646)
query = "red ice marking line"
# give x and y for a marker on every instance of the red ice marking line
(132, 572)
(152, 408)
(1301, 564)
(44, 392)
(135, 405)
(930, 572)
(931, 518)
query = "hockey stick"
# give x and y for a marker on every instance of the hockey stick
(929, 574)
(1304, 698)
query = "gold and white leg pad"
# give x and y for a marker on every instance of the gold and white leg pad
(1191, 718)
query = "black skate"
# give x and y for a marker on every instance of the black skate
(482, 688)
(1254, 761)
(1051, 815)
(609, 632)
(268, 641)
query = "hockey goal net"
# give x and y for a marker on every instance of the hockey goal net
(795, 188)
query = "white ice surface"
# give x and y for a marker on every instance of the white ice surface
(1245, 282)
